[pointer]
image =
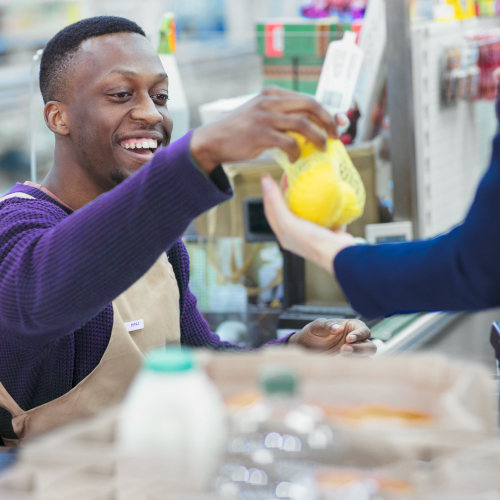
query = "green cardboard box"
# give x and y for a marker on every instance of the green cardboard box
(302, 38)
(293, 73)
(293, 51)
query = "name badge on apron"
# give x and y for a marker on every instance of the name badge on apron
(132, 326)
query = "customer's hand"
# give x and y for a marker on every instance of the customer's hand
(304, 238)
(336, 336)
(260, 124)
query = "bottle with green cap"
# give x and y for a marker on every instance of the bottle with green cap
(171, 430)
(281, 406)
(274, 441)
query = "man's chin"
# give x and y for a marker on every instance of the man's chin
(128, 163)
(118, 176)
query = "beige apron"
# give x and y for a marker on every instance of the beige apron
(154, 299)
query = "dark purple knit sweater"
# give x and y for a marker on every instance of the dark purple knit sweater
(60, 270)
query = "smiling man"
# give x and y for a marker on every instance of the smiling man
(92, 269)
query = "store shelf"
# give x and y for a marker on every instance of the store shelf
(14, 88)
(452, 143)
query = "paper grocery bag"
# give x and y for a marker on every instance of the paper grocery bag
(457, 397)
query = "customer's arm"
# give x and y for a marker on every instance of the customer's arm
(457, 271)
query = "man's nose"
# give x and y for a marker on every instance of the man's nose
(146, 110)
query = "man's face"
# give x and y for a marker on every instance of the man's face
(117, 106)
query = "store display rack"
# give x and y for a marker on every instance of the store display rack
(438, 153)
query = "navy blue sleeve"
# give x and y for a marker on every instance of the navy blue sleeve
(457, 271)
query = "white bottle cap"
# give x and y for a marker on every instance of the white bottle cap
(349, 36)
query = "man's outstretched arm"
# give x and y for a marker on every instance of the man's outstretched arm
(56, 271)
(56, 274)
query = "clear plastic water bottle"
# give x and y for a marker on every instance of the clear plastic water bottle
(275, 443)
(172, 429)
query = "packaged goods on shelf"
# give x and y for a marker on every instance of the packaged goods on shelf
(464, 9)
(345, 9)
(462, 79)
(488, 44)
(293, 51)
(295, 38)
(293, 73)
(487, 7)
(467, 69)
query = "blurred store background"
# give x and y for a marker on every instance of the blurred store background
(421, 125)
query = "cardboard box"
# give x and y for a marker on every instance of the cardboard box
(293, 51)
(293, 73)
(286, 38)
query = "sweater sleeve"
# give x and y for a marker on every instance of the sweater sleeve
(456, 271)
(55, 276)
(195, 331)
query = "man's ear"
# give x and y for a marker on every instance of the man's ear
(56, 117)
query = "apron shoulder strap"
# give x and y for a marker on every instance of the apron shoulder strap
(17, 195)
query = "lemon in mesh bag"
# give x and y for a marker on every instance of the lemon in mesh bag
(323, 187)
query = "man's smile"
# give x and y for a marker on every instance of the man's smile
(141, 145)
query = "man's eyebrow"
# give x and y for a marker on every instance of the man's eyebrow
(128, 72)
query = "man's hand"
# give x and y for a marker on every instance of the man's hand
(336, 336)
(261, 124)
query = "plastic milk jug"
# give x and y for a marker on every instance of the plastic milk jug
(172, 430)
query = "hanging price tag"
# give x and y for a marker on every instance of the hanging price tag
(339, 74)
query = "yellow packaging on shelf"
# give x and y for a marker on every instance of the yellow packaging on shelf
(323, 187)
(464, 9)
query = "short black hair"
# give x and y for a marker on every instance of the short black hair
(59, 53)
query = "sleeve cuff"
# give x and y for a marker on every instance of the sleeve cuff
(281, 341)
(345, 269)
(218, 177)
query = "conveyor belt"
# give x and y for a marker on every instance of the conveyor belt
(404, 332)
(408, 332)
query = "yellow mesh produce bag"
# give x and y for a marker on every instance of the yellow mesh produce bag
(323, 187)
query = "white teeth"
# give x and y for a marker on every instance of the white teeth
(144, 144)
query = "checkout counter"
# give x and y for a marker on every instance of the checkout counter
(308, 291)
